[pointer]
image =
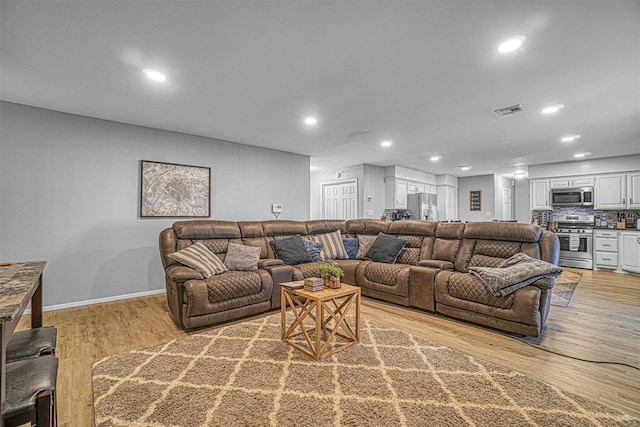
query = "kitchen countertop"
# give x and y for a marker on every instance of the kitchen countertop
(616, 229)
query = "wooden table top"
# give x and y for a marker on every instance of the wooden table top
(327, 293)
(16, 284)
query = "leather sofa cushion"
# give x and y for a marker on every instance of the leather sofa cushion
(233, 284)
(464, 286)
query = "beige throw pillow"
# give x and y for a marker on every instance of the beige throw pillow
(332, 245)
(242, 257)
(365, 243)
(200, 258)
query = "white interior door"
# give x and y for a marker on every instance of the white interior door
(340, 200)
(506, 203)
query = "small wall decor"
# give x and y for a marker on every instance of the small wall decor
(475, 198)
(172, 190)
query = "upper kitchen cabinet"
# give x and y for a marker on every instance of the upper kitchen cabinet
(540, 200)
(617, 191)
(395, 191)
(633, 190)
(571, 181)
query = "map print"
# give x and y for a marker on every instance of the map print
(170, 190)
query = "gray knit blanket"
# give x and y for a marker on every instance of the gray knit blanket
(514, 273)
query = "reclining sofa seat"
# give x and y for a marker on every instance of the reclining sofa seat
(463, 296)
(431, 273)
(194, 301)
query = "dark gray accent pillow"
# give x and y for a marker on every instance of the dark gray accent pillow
(385, 248)
(291, 250)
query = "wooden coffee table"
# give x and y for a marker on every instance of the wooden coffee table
(327, 309)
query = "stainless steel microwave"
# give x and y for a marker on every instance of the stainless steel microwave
(581, 196)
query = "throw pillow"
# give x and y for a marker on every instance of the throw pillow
(386, 248)
(332, 248)
(200, 258)
(313, 248)
(364, 243)
(242, 257)
(291, 250)
(351, 246)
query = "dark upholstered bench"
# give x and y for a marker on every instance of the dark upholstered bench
(31, 343)
(30, 392)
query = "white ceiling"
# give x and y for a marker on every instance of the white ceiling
(425, 74)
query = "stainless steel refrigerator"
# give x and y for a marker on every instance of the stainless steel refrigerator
(423, 206)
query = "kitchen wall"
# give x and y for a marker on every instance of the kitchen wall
(69, 194)
(483, 183)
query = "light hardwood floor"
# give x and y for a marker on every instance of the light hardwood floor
(602, 322)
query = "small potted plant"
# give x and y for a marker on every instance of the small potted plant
(331, 275)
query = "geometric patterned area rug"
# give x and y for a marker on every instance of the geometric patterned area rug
(243, 374)
(563, 288)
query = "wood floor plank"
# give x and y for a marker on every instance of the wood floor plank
(602, 322)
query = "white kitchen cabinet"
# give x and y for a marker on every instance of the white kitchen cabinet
(447, 202)
(606, 249)
(396, 191)
(630, 251)
(540, 195)
(633, 190)
(611, 191)
(571, 181)
(415, 187)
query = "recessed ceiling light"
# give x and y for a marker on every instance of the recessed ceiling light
(570, 138)
(552, 109)
(579, 155)
(465, 167)
(310, 120)
(154, 75)
(386, 143)
(435, 158)
(512, 44)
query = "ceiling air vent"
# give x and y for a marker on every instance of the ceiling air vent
(507, 111)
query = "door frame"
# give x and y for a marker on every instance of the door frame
(343, 181)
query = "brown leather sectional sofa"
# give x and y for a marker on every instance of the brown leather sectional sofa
(431, 272)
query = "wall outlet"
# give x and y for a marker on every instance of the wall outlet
(369, 211)
(276, 208)
(488, 213)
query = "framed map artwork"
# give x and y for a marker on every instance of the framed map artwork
(171, 190)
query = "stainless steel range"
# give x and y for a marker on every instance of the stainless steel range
(576, 240)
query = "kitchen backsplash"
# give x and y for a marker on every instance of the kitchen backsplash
(545, 217)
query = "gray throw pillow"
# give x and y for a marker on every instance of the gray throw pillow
(291, 250)
(242, 257)
(385, 248)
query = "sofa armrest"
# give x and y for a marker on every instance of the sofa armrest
(544, 283)
(269, 262)
(280, 273)
(182, 273)
(436, 263)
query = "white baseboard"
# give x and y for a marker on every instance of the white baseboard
(97, 301)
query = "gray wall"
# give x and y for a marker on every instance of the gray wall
(70, 192)
(370, 184)
(484, 183)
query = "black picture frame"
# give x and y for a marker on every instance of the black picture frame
(172, 190)
(475, 200)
